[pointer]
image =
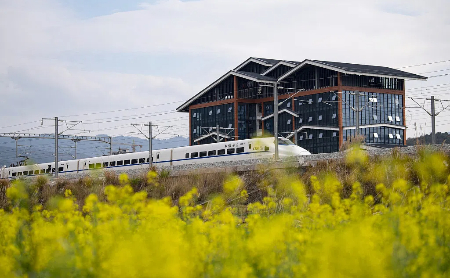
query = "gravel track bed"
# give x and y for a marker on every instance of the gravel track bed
(248, 165)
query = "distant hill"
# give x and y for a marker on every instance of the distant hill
(42, 150)
(441, 137)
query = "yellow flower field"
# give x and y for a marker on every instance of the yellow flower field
(402, 229)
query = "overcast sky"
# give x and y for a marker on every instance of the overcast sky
(72, 57)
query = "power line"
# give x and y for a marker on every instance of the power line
(125, 109)
(425, 64)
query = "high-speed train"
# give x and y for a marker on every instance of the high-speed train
(208, 153)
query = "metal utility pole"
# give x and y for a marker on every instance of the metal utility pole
(275, 118)
(217, 130)
(150, 147)
(433, 122)
(56, 147)
(433, 114)
(149, 137)
(357, 112)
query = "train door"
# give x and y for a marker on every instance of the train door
(157, 157)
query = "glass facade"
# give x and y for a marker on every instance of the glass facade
(318, 141)
(381, 119)
(378, 135)
(204, 119)
(247, 120)
(378, 109)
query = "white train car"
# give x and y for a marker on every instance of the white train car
(209, 153)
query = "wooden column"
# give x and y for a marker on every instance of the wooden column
(340, 114)
(235, 87)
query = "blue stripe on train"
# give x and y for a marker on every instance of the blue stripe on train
(146, 163)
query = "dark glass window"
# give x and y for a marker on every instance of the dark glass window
(60, 169)
(266, 148)
(134, 161)
(240, 150)
(112, 163)
(120, 162)
(91, 166)
(25, 173)
(141, 160)
(97, 165)
(126, 162)
(43, 171)
(195, 154)
(221, 152)
(187, 155)
(203, 154)
(230, 151)
(14, 174)
(36, 172)
(210, 153)
(105, 164)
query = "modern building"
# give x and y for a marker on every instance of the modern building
(318, 101)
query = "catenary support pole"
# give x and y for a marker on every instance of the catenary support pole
(56, 147)
(275, 118)
(433, 121)
(217, 130)
(357, 112)
(150, 150)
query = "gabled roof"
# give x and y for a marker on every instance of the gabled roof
(261, 61)
(286, 63)
(252, 76)
(357, 69)
(346, 68)
(255, 76)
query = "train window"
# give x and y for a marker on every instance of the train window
(202, 154)
(266, 148)
(25, 173)
(126, 162)
(60, 169)
(42, 171)
(47, 170)
(105, 164)
(53, 170)
(98, 165)
(250, 146)
(211, 152)
(19, 173)
(230, 151)
(91, 166)
(157, 156)
(240, 150)
(134, 161)
(112, 163)
(67, 166)
(147, 160)
(194, 154)
(120, 162)
(186, 155)
(14, 174)
(141, 160)
(220, 152)
(36, 172)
